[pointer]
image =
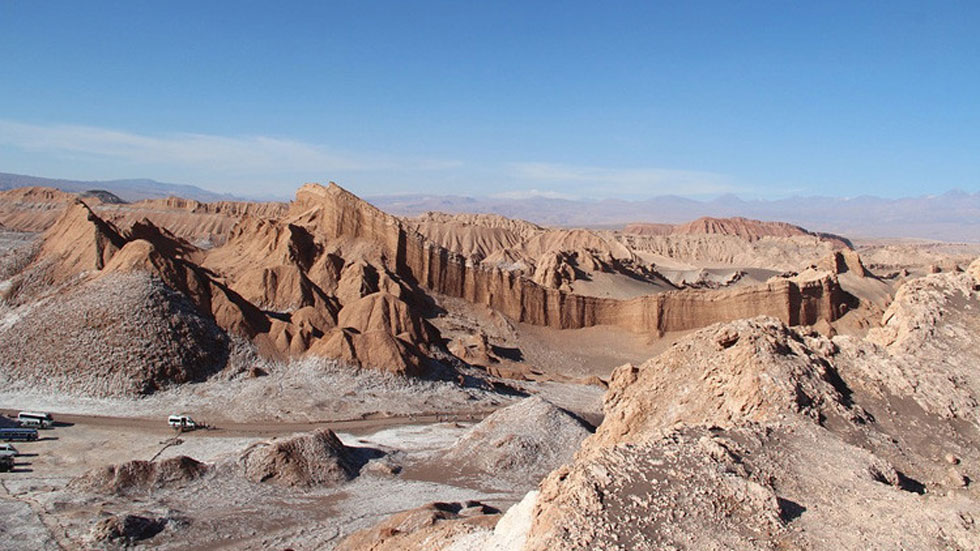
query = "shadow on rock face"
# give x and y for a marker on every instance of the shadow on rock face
(789, 510)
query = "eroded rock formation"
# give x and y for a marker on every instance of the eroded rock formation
(518, 444)
(751, 230)
(139, 477)
(331, 275)
(314, 459)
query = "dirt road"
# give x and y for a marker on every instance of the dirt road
(269, 428)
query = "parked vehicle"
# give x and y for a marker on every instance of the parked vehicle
(22, 435)
(182, 422)
(8, 449)
(6, 463)
(35, 420)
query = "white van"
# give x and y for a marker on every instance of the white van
(35, 420)
(8, 449)
(181, 422)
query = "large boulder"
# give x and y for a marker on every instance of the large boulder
(136, 477)
(318, 458)
(126, 530)
(519, 444)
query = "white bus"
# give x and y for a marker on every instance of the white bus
(181, 422)
(36, 420)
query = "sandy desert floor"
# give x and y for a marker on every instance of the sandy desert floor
(397, 427)
(228, 513)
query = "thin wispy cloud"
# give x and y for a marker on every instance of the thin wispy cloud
(602, 181)
(213, 152)
(261, 164)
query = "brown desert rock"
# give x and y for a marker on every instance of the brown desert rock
(385, 312)
(138, 477)
(554, 271)
(333, 276)
(318, 458)
(374, 349)
(80, 241)
(359, 279)
(844, 261)
(519, 443)
(127, 529)
(433, 527)
(753, 370)
(33, 209)
(473, 349)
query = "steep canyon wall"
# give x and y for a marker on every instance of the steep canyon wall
(337, 213)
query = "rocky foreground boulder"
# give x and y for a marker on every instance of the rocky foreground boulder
(310, 459)
(519, 444)
(139, 477)
(126, 530)
(417, 528)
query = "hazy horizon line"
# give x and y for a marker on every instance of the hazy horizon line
(512, 195)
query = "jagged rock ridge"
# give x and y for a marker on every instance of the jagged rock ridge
(334, 276)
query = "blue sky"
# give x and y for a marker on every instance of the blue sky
(581, 99)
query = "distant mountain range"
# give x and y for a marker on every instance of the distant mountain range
(128, 190)
(952, 216)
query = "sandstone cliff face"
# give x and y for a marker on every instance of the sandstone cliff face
(720, 251)
(342, 300)
(269, 263)
(844, 261)
(336, 213)
(80, 241)
(522, 300)
(474, 236)
(266, 264)
(553, 258)
(384, 312)
(231, 208)
(554, 270)
(35, 209)
(207, 224)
